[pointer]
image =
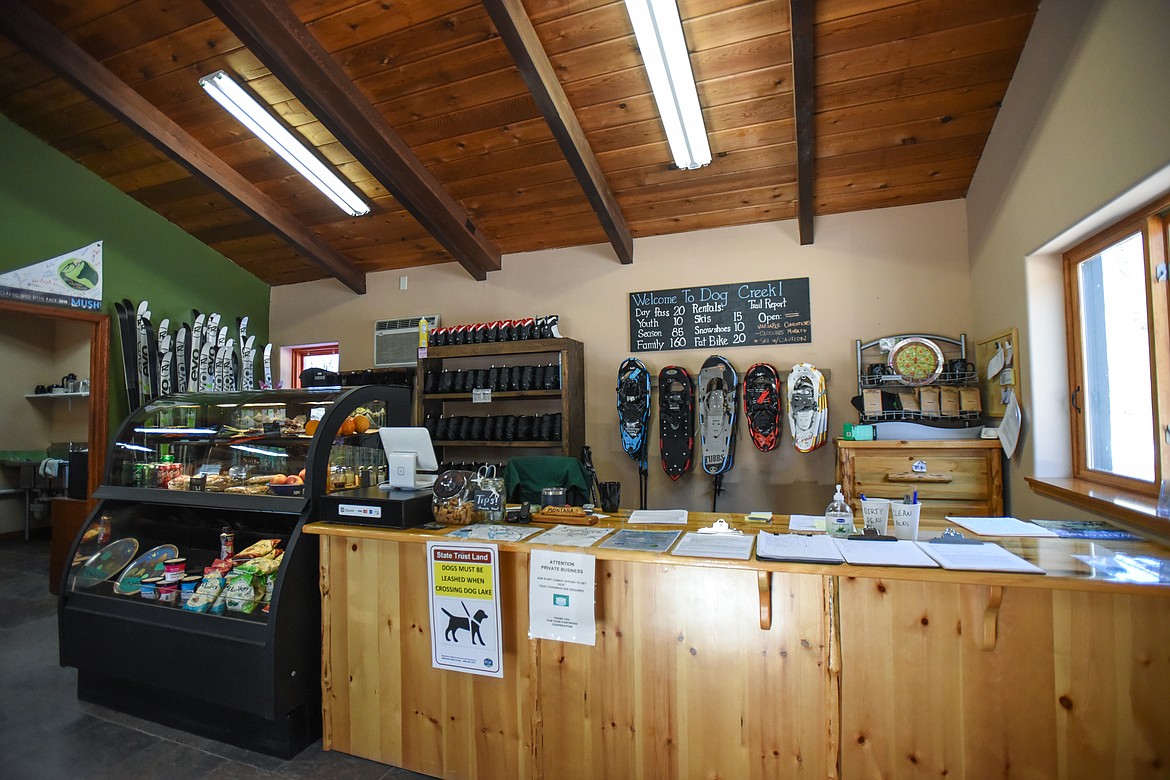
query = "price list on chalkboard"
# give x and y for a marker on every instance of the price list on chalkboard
(723, 315)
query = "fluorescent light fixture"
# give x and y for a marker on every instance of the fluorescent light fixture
(178, 431)
(240, 104)
(658, 28)
(258, 451)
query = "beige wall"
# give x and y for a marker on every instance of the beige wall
(1082, 137)
(871, 274)
(39, 351)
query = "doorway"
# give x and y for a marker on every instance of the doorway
(99, 373)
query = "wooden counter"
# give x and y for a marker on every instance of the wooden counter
(862, 672)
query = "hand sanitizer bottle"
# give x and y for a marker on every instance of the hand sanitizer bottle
(838, 516)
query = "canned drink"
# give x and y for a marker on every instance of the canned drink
(227, 545)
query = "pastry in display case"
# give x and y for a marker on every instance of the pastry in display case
(190, 597)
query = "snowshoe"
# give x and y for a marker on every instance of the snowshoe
(718, 386)
(676, 420)
(808, 407)
(761, 405)
(633, 404)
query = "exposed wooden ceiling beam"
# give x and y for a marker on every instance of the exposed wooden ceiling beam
(802, 96)
(519, 36)
(91, 78)
(273, 33)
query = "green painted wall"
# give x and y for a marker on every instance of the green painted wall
(50, 205)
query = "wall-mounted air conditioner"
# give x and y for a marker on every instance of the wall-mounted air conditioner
(396, 341)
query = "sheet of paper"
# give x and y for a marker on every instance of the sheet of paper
(987, 556)
(572, 535)
(806, 523)
(659, 516)
(1000, 526)
(735, 546)
(899, 553)
(1009, 427)
(495, 533)
(797, 547)
(562, 602)
(649, 541)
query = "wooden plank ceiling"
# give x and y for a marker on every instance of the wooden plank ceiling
(904, 95)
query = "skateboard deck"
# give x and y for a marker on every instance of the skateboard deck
(676, 420)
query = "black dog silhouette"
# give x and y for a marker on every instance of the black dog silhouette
(471, 622)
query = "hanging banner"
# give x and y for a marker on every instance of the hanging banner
(464, 585)
(73, 280)
(562, 596)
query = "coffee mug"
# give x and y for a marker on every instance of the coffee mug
(960, 366)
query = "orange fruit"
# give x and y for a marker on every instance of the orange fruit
(361, 423)
(347, 427)
(311, 426)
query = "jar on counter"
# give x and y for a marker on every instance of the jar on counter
(489, 499)
(454, 501)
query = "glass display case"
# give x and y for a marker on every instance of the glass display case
(189, 596)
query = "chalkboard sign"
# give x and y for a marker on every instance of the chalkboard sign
(723, 315)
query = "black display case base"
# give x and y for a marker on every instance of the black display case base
(284, 737)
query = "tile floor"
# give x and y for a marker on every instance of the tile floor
(45, 732)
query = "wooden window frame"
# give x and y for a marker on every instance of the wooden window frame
(1151, 222)
(298, 355)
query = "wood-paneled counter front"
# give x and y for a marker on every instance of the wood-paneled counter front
(864, 671)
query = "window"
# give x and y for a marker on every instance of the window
(324, 356)
(1119, 361)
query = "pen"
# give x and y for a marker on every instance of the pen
(915, 497)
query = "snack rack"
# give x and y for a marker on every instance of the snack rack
(182, 471)
(873, 354)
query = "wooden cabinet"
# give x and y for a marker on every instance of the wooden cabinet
(478, 388)
(961, 477)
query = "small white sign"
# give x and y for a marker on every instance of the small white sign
(464, 585)
(562, 596)
(357, 510)
(481, 395)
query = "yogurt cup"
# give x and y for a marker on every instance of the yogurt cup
(174, 569)
(150, 588)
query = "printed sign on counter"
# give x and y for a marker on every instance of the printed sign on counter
(775, 311)
(562, 597)
(464, 583)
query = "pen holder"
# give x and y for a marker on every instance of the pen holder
(905, 520)
(875, 513)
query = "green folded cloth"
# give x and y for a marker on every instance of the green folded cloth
(525, 477)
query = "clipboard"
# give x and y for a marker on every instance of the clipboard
(951, 536)
(871, 535)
